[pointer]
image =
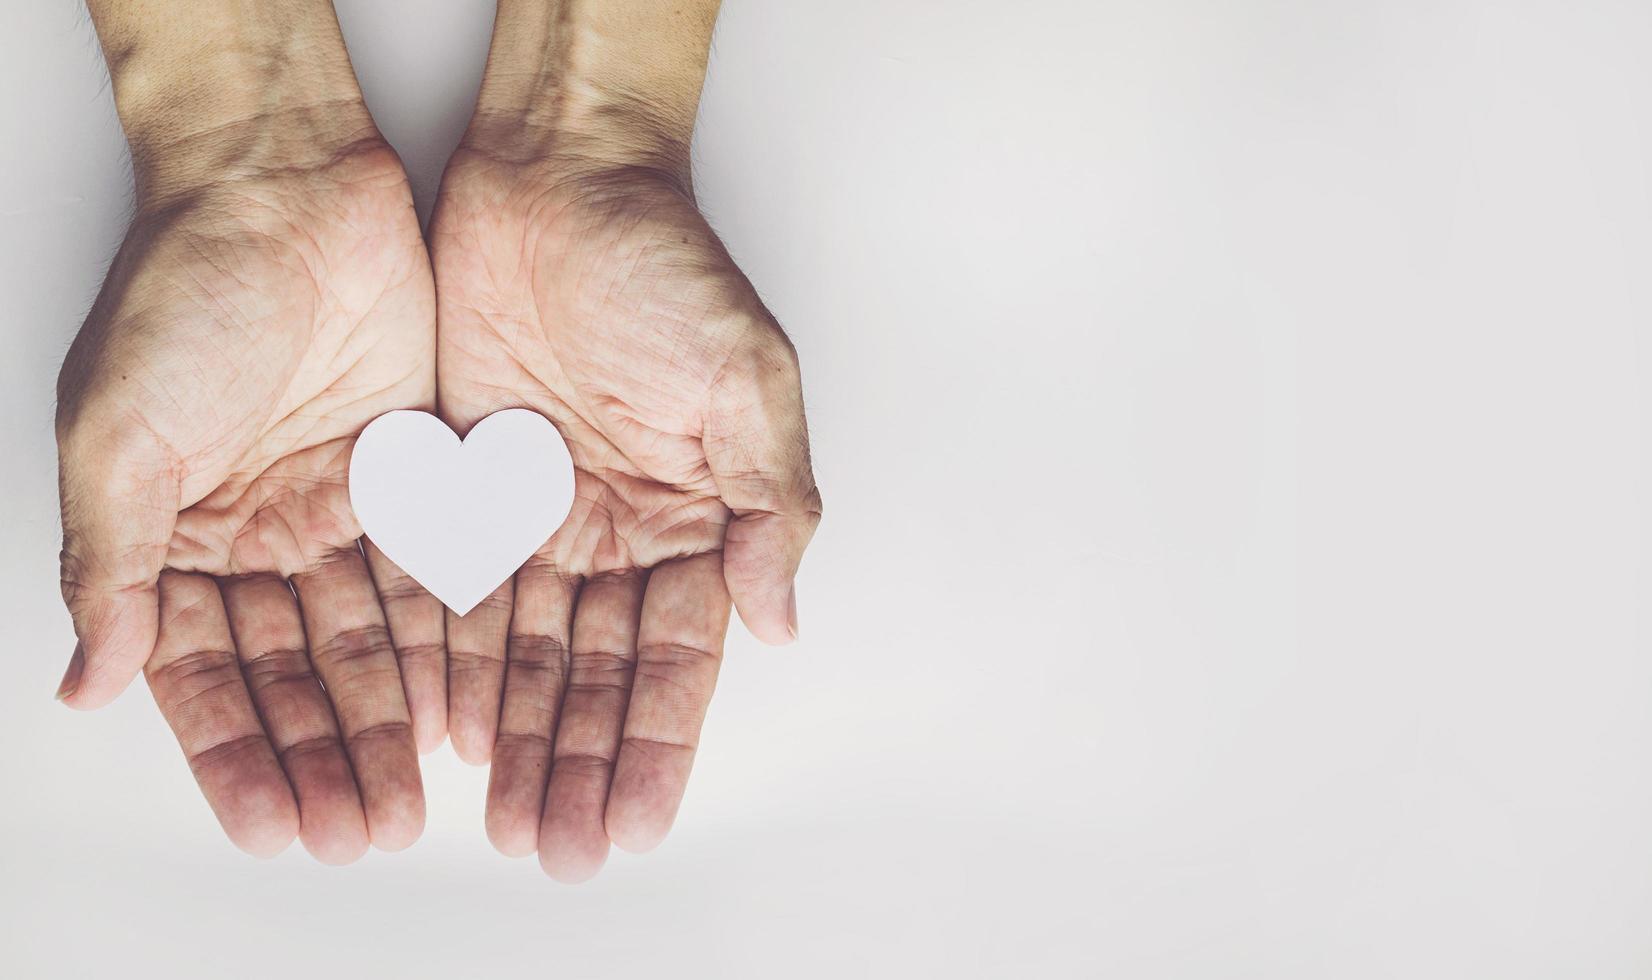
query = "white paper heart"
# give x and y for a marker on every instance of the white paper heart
(461, 517)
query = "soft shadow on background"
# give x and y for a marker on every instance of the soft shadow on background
(1233, 426)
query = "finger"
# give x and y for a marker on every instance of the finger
(350, 649)
(418, 631)
(119, 506)
(573, 843)
(757, 445)
(679, 649)
(269, 636)
(476, 674)
(536, 667)
(197, 683)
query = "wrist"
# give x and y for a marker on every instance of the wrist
(594, 86)
(228, 88)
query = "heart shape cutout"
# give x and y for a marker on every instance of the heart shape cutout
(461, 517)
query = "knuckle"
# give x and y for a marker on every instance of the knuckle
(421, 653)
(355, 646)
(400, 589)
(463, 661)
(523, 745)
(660, 748)
(283, 665)
(395, 730)
(583, 764)
(537, 651)
(772, 348)
(678, 655)
(499, 601)
(762, 365)
(813, 507)
(224, 753)
(689, 672)
(601, 670)
(324, 744)
(193, 673)
(72, 572)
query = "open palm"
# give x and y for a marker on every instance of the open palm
(246, 333)
(602, 300)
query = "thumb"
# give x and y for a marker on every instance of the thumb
(757, 446)
(119, 507)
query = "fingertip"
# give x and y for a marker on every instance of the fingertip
(71, 676)
(266, 845)
(96, 690)
(116, 638)
(399, 827)
(760, 577)
(336, 848)
(769, 609)
(635, 831)
(472, 745)
(572, 862)
(429, 731)
(771, 626)
(642, 804)
(511, 834)
(91, 699)
(427, 711)
(394, 803)
(268, 828)
(472, 753)
(332, 824)
(399, 838)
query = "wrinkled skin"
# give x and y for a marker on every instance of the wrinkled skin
(246, 333)
(599, 297)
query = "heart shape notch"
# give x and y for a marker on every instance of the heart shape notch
(461, 517)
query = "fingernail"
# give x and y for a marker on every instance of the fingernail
(71, 677)
(791, 611)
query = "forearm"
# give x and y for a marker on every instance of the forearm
(207, 86)
(610, 81)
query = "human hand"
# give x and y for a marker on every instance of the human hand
(272, 296)
(576, 277)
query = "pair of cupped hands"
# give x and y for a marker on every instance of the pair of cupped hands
(257, 317)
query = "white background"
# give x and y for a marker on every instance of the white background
(1233, 425)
